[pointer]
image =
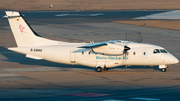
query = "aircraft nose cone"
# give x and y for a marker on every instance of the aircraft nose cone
(170, 59)
(175, 61)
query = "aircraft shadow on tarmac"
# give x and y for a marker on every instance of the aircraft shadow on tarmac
(22, 59)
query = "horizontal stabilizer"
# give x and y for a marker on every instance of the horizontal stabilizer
(33, 57)
(24, 50)
(10, 14)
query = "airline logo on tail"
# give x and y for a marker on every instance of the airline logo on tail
(21, 28)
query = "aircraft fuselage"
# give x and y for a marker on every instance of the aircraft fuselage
(140, 54)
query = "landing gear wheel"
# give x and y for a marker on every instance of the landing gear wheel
(163, 69)
(98, 69)
(105, 69)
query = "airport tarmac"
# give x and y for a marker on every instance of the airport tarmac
(23, 79)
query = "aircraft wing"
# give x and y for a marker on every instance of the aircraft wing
(104, 43)
(94, 45)
(105, 48)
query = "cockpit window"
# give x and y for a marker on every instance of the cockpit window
(156, 51)
(163, 51)
(159, 51)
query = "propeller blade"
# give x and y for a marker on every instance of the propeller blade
(126, 48)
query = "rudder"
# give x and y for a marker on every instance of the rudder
(24, 34)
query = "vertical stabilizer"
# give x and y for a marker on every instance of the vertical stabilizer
(23, 33)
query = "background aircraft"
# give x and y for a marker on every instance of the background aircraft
(102, 55)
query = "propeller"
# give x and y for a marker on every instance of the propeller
(126, 48)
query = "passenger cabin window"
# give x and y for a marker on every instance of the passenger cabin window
(144, 53)
(134, 53)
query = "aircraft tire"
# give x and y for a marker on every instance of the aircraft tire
(163, 69)
(99, 69)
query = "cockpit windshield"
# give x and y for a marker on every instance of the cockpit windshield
(159, 51)
(156, 51)
(163, 51)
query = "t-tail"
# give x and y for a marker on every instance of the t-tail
(24, 34)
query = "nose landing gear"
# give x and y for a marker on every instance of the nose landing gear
(163, 68)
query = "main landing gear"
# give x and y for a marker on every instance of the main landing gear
(99, 69)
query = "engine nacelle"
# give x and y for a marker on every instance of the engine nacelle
(110, 49)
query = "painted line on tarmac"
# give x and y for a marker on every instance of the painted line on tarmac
(146, 99)
(39, 69)
(90, 94)
(8, 74)
(113, 100)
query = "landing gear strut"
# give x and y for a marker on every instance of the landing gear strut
(105, 69)
(163, 68)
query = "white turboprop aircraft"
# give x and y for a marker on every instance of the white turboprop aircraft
(102, 56)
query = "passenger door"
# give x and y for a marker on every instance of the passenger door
(72, 56)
